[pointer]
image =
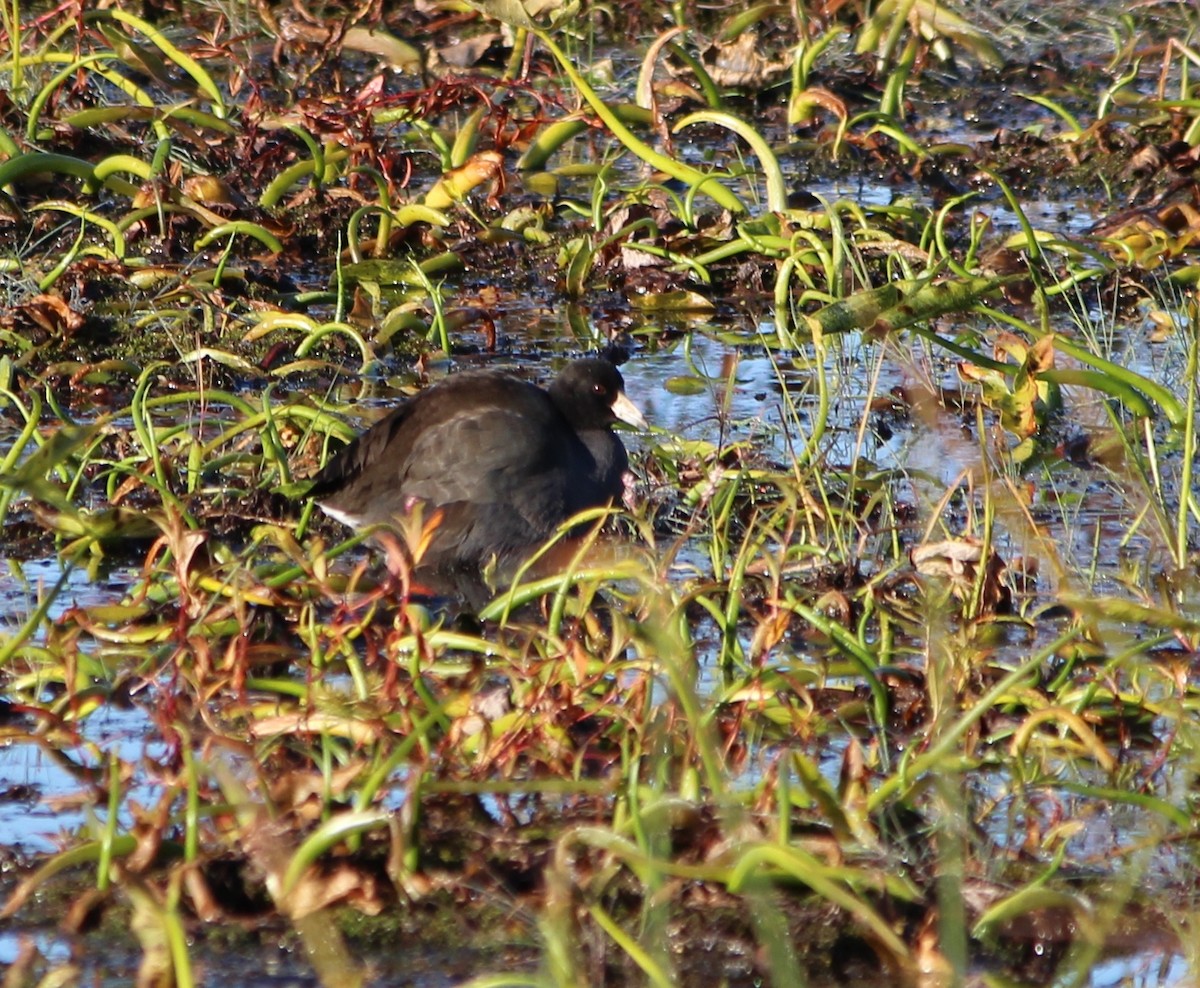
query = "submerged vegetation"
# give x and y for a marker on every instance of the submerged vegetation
(891, 672)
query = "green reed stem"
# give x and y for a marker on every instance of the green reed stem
(1187, 494)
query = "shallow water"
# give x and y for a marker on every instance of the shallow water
(742, 400)
(1078, 523)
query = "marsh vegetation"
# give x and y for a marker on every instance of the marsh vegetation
(891, 670)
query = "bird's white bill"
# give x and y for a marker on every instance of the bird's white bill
(628, 412)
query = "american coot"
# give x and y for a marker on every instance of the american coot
(505, 461)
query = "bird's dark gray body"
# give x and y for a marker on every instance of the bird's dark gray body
(505, 461)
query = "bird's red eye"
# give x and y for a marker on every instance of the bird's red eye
(599, 389)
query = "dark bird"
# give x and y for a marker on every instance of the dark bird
(503, 461)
